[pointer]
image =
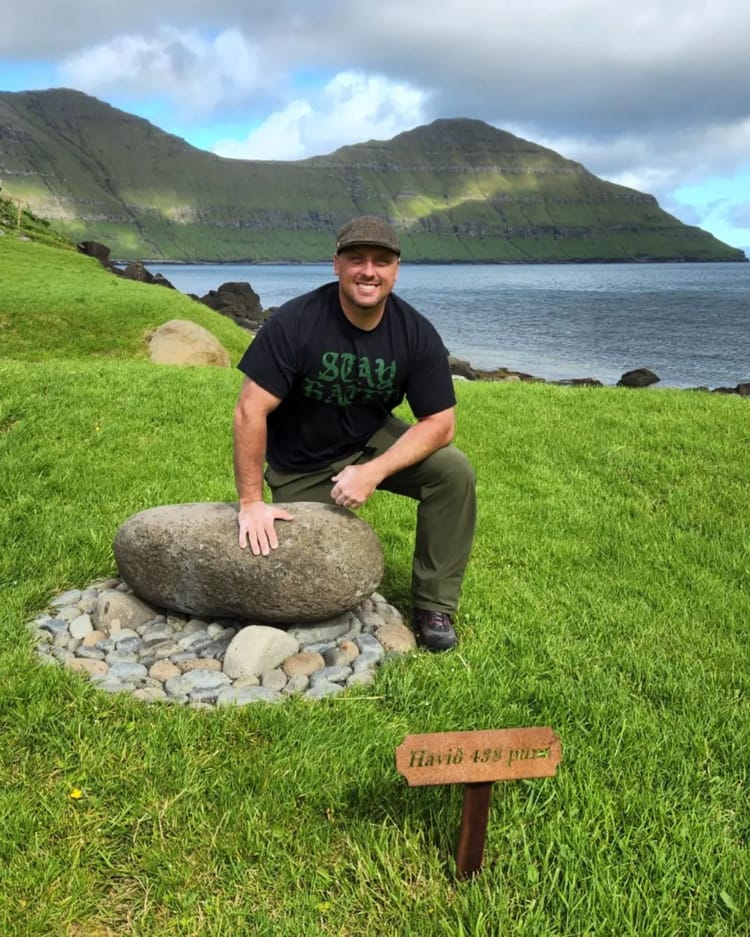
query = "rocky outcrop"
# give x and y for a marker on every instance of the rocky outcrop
(187, 557)
(180, 341)
(97, 250)
(580, 382)
(639, 377)
(138, 272)
(240, 303)
(463, 369)
(742, 389)
(135, 270)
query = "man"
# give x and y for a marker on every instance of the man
(321, 379)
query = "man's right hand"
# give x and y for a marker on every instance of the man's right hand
(256, 526)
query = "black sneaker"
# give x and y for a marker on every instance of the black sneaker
(435, 630)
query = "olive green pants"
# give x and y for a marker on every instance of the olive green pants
(444, 486)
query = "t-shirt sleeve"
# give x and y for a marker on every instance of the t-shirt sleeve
(271, 359)
(430, 386)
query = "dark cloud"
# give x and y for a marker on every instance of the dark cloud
(583, 66)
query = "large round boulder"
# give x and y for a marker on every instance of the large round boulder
(187, 557)
(180, 341)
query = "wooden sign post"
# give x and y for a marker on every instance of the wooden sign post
(477, 760)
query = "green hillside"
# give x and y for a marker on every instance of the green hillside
(458, 190)
(56, 303)
(16, 220)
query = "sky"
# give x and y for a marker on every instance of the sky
(654, 95)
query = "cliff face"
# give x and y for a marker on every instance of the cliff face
(458, 190)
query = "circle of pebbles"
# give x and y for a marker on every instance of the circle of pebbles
(125, 645)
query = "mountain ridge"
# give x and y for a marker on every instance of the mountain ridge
(458, 190)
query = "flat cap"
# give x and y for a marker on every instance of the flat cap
(368, 230)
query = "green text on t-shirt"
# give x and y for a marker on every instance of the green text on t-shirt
(345, 377)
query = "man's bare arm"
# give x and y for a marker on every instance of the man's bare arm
(355, 483)
(255, 518)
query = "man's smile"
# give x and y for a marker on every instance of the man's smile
(366, 277)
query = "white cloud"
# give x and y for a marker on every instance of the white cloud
(278, 137)
(197, 74)
(659, 162)
(351, 108)
(579, 66)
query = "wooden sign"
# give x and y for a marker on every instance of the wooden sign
(477, 760)
(471, 757)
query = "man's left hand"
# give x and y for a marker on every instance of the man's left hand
(353, 485)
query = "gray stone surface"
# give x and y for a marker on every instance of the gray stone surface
(322, 690)
(370, 651)
(127, 672)
(67, 598)
(234, 696)
(126, 634)
(187, 557)
(256, 649)
(54, 626)
(327, 632)
(81, 626)
(116, 610)
(126, 661)
(274, 679)
(330, 675)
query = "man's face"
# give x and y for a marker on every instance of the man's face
(366, 277)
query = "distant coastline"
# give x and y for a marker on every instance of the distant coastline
(442, 263)
(459, 190)
(688, 323)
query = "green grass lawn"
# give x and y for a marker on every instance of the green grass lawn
(607, 597)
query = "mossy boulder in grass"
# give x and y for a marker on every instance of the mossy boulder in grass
(180, 341)
(187, 557)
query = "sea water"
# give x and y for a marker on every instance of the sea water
(689, 323)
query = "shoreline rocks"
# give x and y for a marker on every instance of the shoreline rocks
(638, 377)
(240, 302)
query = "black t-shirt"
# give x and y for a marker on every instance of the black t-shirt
(338, 383)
